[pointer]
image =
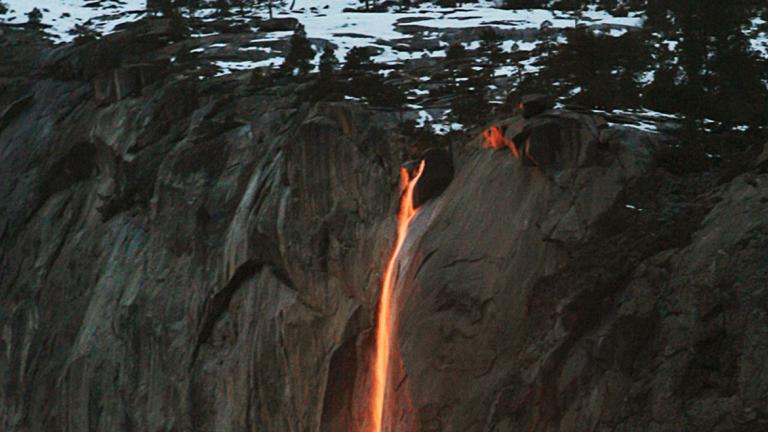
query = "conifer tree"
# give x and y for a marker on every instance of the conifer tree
(160, 7)
(470, 105)
(490, 45)
(357, 59)
(328, 62)
(222, 7)
(35, 16)
(240, 5)
(722, 77)
(270, 7)
(83, 33)
(456, 52)
(300, 54)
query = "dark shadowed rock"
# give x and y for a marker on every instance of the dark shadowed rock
(91, 59)
(762, 158)
(127, 81)
(438, 173)
(549, 141)
(278, 24)
(535, 104)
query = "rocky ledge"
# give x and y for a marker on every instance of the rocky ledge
(200, 255)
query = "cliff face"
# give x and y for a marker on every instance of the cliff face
(601, 293)
(188, 258)
(183, 255)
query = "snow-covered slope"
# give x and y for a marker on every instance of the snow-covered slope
(63, 15)
(396, 36)
(350, 29)
(322, 19)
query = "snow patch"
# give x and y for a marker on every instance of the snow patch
(61, 16)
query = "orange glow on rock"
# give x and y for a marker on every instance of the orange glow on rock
(384, 322)
(494, 139)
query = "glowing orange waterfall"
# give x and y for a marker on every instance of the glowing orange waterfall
(384, 322)
(495, 139)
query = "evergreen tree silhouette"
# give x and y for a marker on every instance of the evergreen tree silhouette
(456, 52)
(300, 54)
(240, 5)
(222, 7)
(357, 59)
(719, 75)
(35, 16)
(270, 7)
(490, 45)
(328, 62)
(160, 7)
(369, 4)
(470, 104)
(602, 68)
(83, 34)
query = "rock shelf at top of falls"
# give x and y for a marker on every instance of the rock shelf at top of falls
(197, 256)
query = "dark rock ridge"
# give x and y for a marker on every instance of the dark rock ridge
(195, 255)
(438, 174)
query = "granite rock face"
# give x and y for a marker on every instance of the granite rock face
(195, 255)
(171, 260)
(600, 294)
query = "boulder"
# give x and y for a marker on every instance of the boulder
(535, 104)
(548, 141)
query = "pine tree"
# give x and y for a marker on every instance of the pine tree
(608, 5)
(328, 62)
(722, 76)
(83, 34)
(456, 52)
(222, 7)
(740, 96)
(602, 68)
(357, 59)
(490, 45)
(470, 105)
(35, 16)
(240, 5)
(160, 7)
(300, 54)
(3, 8)
(387, 95)
(656, 12)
